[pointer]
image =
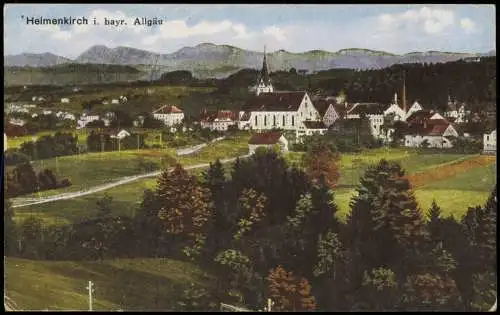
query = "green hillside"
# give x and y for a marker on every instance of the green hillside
(126, 284)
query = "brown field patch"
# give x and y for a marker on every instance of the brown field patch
(449, 170)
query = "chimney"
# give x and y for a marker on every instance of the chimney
(404, 93)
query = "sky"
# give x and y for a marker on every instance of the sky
(295, 28)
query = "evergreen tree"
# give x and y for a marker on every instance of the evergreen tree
(434, 223)
(185, 207)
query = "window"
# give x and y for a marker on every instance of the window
(283, 120)
(293, 120)
(256, 120)
(265, 120)
(274, 120)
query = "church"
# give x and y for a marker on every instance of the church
(286, 110)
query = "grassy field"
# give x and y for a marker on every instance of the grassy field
(92, 169)
(126, 284)
(453, 194)
(15, 142)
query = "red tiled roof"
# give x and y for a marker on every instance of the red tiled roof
(419, 116)
(270, 137)
(219, 115)
(167, 109)
(275, 101)
(431, 127)
(315, 125)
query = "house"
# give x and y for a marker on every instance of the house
(4, 142)
(220, 120)
(490, 142)
(313, 127)
(17, 122)
(395, 110)
(415, 107)
(120, 135)
(268, 139)
(456, 111)
(122, 99)
(47, 112)
(64, 100)
(86, 118)
(169, 114)
(331, 111)
(373, 111)
(429, 127)
(114, 101)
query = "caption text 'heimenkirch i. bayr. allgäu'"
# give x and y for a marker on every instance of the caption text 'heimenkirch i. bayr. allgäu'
(71, 20)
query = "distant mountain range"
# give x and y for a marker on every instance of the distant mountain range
(215, 60)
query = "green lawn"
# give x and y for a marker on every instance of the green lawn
(15, 142)
(92, 169)
(127, 284)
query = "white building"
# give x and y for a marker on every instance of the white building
(415, 107)
(373, 111)
(169, 114)
(47, 112)
(220, 120)
(267, 140)
(264, 84)
(115, 101)
(396, 110)
(64, 100)
(17, 122)
(310, 128)
(85, 119)
(429, 127)
(120, 135)
(490, 142)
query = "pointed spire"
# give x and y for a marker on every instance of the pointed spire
(264, 73)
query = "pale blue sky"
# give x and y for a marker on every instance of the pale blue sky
(296, 28)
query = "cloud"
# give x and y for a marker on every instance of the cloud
(468, 25)
(416, 28)
(431, 20)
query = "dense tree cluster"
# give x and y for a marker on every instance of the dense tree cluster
(268, 231)
(24, 180)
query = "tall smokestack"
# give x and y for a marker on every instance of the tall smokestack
(404, 92)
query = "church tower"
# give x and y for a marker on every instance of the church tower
(264, 81)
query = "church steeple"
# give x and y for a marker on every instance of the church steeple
(264, 81)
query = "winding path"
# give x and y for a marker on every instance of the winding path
(20, 202)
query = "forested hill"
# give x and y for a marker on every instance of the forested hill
(430, 84)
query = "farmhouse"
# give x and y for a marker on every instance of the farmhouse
(490, 142)
(169, 114)
(64, 100)
(268, 139)
(428, 128)
(220, 120)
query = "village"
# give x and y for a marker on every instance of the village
(279, 117)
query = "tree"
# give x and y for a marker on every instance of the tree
(185, 206)
(9, 229)
(252, 205)
(424, 291)
(380, 289)
(288, 292)
(31, 238)
(104, 205)
(434, 223)
(320, 162)
(385, 227)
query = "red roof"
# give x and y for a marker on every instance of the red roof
(431, 127)
(270, 137)
(219, 115)
(167, 109)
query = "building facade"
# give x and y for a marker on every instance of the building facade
(490, 142)
(170, 115)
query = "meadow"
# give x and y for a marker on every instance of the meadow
(454, 193)
(120, 284)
